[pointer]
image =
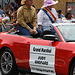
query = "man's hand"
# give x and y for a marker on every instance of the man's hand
(33, 31)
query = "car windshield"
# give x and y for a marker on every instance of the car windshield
(68, 32)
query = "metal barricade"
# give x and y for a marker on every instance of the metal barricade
(8, 27)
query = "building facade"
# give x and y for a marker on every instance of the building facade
(62, 4)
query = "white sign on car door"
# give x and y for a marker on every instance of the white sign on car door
(42, 59)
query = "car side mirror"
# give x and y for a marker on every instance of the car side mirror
(50, 37)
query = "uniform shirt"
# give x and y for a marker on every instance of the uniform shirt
(25, 15)
(44, 20)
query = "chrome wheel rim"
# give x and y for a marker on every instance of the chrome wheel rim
(74, 71)
(6, 62)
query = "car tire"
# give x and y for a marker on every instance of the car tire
(7, 62)
(72, 69)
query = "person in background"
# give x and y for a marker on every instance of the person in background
(17, 3)
(60, 15)
(1, 16)
(27, 18)
(47, 15)
(11, 10)
(69, 10)
(1, 11)
(14, 17)
(15, 9)
(68, 18)
(5, 9)
(5, 20)
(12, 5)
(14, 23)
(14, 29)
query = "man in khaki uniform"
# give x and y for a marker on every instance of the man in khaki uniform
(27, 18)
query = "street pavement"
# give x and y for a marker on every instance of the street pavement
(0, 73)
(26, 74)
(22, 74)
(19, 74)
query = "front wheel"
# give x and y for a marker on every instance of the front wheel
(72, 69)
(7, 62)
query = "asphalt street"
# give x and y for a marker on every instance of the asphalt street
(22, 74)
(19, 74)
(26, 74)
(0, 73)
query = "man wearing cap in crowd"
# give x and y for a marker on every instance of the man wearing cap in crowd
(47, 15)
(27, 18)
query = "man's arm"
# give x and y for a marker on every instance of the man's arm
(20, 18)
(34, 19)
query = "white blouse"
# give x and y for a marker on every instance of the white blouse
(43, 19)
(68, 21)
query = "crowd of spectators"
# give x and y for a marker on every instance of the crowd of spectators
(8, 13)
(67, 18)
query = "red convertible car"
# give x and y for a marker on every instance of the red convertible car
(50, 54)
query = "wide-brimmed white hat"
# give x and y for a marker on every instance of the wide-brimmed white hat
(49, 3)
(23, 2)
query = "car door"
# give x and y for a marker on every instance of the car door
(42, 58)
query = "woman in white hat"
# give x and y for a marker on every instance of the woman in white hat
(47, 15)
(27, 18)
